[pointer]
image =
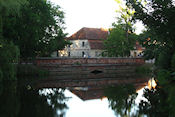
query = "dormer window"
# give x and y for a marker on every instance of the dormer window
(83, 44)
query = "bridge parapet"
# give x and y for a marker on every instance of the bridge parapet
(78, 61)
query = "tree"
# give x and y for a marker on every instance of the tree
(9, 55)
(19, 101)
(158, 16)
(39, 25)
(117, 44)
(155, 104)
(121, 39)
(9, 52)
(122, 99)
(9, 6)
(125, 18)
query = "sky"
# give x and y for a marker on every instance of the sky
(89, 108)
(89, 13)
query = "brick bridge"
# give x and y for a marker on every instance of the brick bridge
(63, 67)
(90, 68)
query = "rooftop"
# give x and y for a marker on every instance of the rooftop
(90, 33)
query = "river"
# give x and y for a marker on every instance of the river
(90, 98)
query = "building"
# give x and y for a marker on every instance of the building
(137, 51)
(87, 42)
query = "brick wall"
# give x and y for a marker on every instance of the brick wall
(74, 61)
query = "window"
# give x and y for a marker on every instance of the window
(69, 54)
(83, 44)
(83, 54)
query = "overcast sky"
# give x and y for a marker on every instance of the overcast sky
(88, 13)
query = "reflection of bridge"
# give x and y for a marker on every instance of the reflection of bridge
(87, 89)
(99, 82)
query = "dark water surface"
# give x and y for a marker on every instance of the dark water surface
(88, 99)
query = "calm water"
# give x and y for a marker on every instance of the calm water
(29, 100)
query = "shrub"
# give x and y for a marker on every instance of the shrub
(145, 69)
(173, 62)
(1, 75)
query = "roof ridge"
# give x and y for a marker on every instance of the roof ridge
(89, 33)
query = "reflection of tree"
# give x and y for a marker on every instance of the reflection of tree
(27, 102)
(122, 99)
(56, 99)
(156, 104)
(9, 102)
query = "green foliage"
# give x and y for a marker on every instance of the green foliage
(158, 16)
(150, 41)
(8, 57)
(173, 62)
(164, 60)
(9, 100)
(117, 44)
(11, 6)
(171, 100)
(29, 102)
(35, 26)
(9, 52)
(163, 77)
(1, 75)
(144, 70)
(37, 30)
(121, 39)
(155, 104)
(121, 99)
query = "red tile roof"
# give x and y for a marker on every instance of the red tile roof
(138, 46)
(94, 93)
(89, 33)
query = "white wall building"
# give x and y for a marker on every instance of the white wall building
(138, 50)
(87, 42)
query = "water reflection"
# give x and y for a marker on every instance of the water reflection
(155, 104)
(121, 99)
(10, 104)
(21, 101)
(47, 97)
